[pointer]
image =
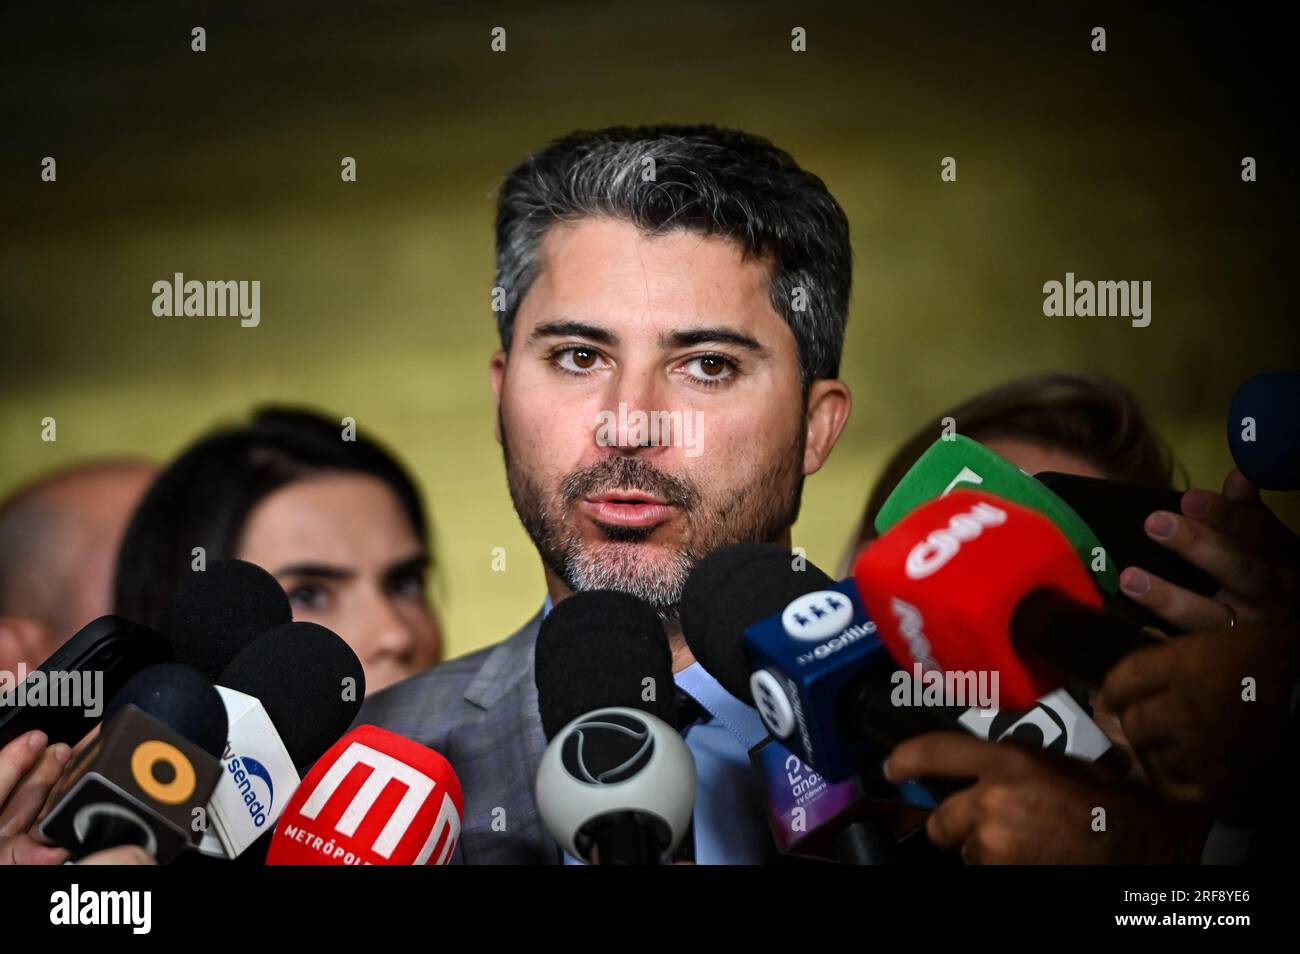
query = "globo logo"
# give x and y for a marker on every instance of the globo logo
(931, 554)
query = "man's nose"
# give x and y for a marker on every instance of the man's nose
(634, 402)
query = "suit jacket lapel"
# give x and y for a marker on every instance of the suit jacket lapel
(496, 757)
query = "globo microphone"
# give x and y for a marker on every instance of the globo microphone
(146, 778)
(1264, 430)
(375, 798)
(616, 784)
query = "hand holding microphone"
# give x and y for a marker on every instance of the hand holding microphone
(1030, 806)
(147, 776)
(1233, 535)
(29, 770)
(1207, 713)
(29, 767)
(1240, 543)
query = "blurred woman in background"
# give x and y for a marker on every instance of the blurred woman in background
(339, 524)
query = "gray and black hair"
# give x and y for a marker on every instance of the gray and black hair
(708, 180)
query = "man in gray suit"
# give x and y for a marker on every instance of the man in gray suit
(671, 303)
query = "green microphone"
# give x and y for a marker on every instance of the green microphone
(957, 461)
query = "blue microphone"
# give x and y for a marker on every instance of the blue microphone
(802, 660)
(811, 665)
(1264, 430)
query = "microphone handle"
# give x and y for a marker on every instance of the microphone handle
(866, 711)
(623, 838)
(1066, 640)
(867, 841)
(111, 831)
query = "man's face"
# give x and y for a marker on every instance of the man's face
(676, 323)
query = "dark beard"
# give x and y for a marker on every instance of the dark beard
(761, 511)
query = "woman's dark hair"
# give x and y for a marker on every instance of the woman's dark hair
(204, 498)
(1087, 415)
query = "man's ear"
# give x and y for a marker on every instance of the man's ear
(24, 641)
(829, 404)
(497, 369)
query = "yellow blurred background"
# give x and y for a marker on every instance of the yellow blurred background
(1123, 165)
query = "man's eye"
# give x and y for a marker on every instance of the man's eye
(577, 360)
(710, 368)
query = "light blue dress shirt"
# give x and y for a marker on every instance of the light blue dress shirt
(729, 824)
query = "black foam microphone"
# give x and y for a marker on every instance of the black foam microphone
(597, 649)
(290, 694)
(616, 785)
(731, 589)
(216, 612)
(308, 679)
(181, 697)
(148, 776)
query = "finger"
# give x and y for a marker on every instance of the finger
(123, 855)
(993, 843)
(953, 821)
(1148, 725)
(1237, 487)
(1137, 676)
(23, 806)
(972, 849)
(26, 850)
(948, 755)
(1173, 775)
(1237, 570)
(1181, 608)
(1181, 793)
(1249, 525)
(17, 759)
(76, 758)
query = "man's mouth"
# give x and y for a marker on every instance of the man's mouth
(627, 508)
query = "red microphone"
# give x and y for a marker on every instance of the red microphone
(974, 582)
(375, 798)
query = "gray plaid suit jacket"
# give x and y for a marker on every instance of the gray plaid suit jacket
(480, 712)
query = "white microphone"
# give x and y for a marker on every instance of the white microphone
(617, 786)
